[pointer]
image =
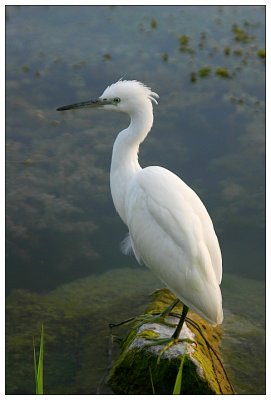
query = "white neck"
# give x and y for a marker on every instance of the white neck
(124, 164)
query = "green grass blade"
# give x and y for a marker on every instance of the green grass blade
(178, 382)
(35, 363)
(152, 386)
(38, 367)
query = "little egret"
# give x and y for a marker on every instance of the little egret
(170, 230)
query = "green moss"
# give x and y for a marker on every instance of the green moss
(128, 375)
(148, 334)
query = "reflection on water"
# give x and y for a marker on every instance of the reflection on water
(208, 66)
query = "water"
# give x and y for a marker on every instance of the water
(60, 221)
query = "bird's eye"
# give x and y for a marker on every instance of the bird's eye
(116, 100)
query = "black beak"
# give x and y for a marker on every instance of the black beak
(84, 104)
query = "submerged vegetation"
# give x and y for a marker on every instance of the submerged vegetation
(204, 72)
(153, 23)
(261, 53)
(183, 40)
(184, 45)
(223, 72)
(240, 35)
(248, 54)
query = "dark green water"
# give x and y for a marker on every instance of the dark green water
(210, 130)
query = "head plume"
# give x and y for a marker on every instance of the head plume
(123, 88)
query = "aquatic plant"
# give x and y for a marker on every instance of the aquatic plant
(193, 77)
(261, 53)
(153, 24)
(204, 72)
(107, 57)
(38, 366)
(178, 382)
(164, 57)
(183, 40)
(240, 35)
(238, 52)
(227, 51)
(223, 72)
(26, 69)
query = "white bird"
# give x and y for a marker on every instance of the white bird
(170, 230)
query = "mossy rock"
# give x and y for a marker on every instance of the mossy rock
(137, 371)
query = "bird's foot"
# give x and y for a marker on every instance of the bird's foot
(167, 342)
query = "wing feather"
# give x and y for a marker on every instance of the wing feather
(173, 235)
(174, 204)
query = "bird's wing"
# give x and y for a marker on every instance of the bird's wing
(181, 213)
(173, 234)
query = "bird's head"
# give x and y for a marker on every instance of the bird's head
(125, 96)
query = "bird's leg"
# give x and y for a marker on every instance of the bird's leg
(175, 337)
(157, 317)
(168, 309)
(180, 324)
